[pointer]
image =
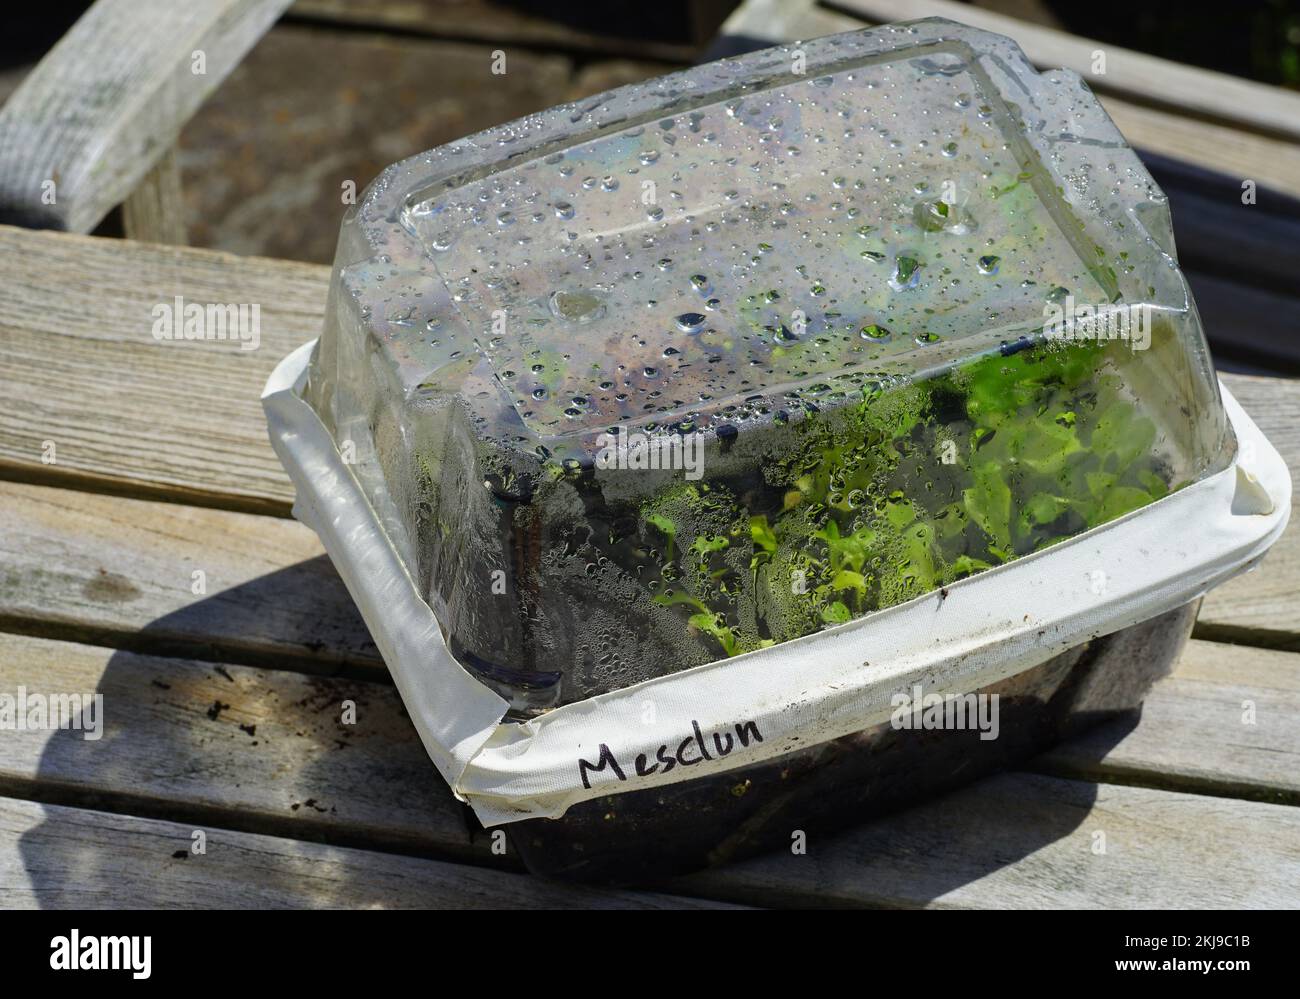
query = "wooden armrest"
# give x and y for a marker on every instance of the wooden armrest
(107, 102)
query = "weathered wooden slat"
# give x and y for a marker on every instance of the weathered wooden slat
(108, 100)
(1234, 151)
(122, 410)
(54, 857)
(1274, 404)
(262, 751)
(1271, 163)
(1136, 75)
(1261, 607)
(1227, 722)
(181, 420)
(116, 571)
(1026, 841)
(155, 210)
(122, 572)
(275, 757)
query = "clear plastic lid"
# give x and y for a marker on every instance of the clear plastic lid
(746, 352)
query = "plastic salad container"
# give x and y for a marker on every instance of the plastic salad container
(673, 443)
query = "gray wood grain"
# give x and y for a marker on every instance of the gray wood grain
(185, 417)
(301, 774)
(54, 857)
(109, 99)
(182, 422)
(1192, 91)
(155, 212)
(122, 572)
(1228, 145)
(1262, 607)
(1026, 841)
(1226, 722)
(261, 750)
(125, 411)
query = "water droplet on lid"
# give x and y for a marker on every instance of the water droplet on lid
(932, 216)
(691, 322)
(563, 210)
(989, 264)
(874, 331)
(907, 273)
(783, 334)
(576, 306)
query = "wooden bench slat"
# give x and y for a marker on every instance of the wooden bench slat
(1226, 722)
(1269, 162)
(57, 857)
(1189, 89)
(1235, 151)
(178, 419)
(183, 419)
(1261, 607)
(117, 571)
(259, 750)
(120, 572)
(106, 103)
(166, 751)
(1026, 841)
